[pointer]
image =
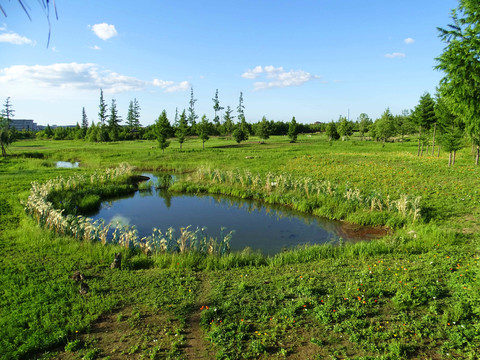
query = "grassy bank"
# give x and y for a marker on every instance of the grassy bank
(413, 294)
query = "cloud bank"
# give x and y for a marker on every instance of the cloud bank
(277, 77)
(15, 39)
(395, 55)
(77, 76)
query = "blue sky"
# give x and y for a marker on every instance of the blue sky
(315, 59)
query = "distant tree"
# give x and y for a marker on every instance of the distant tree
(344, 128)
(133, 118)
(4, 135)
(293, 130)
(424, 117)
(461, 65)
(192, 117)
(102, 112)
(204, 129)
(241, 131)
(84, 120)
(182, 129)
(451, 128)
(331, 131)
(263, 129)
(240, 108)
(216, 109)
(404, 124)
(162, 130)
(385, 126)
(7, 111)
(228, 125)
(48, 131)
(364, 123)
(114, 122)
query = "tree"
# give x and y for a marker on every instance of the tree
(240, 108)
(344, 127)
(162, 130)
(84, 120)
(192, 117)
(292, 130)
(385, 126)
(5, 139)
(263, 129)
(241, 131)
(460, 63)
(203, 129)
(182, 129)
(331, 131)
(8, 112)
(102, 112)
(133, 117)
(450, 128)
(228, 122)
(424, 117)
(114, 121)
(364, 123)
(216, 108)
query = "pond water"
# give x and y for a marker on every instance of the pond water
(259, 226)
(67, 164)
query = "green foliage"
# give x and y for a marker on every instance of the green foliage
(385, 126)
(162, 130)
(293, 130)
(263, 129)
(331, 131)
(344, 127)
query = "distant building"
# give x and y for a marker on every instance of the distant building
(25, 124)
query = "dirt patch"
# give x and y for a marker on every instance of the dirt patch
(196, 345)
(359, 232)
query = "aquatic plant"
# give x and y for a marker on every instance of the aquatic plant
(85, 229)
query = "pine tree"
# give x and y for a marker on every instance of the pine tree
(240, 108)
(203, 129)
(192, 117)
(216, 109)
(162, 130)
(228, 122)
(6, 137)
(114, 121)
(263, 129)
(102, 113)
(292, 130)
(424, 117)
(182, 129)
(84, 119)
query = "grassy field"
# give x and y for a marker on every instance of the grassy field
(413, 294)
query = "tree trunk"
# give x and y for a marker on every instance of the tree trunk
(433, 141)
(203, 145)
(428, 145)
(4, 152)
(450, 159)
(477, 155)
(438, 153)
(421, 152)
(454, 156)
(419, 136)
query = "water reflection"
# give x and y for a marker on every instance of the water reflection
(257, 225)
(67, 164)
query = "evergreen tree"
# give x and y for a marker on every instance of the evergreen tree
(7, 111)
(263, 131)
(162, 130)
(182, 129)
(292, 130)
(344, 127)
(364, 123)
(192, 117)
(228, 122)
(203, 129)
(424, 117)
(114, 122)
(451, 128)
(240, 108)
(461, 64)
(102, 112)
(331, 131)
(385, 126)
(84, 119)
(6, 134)
(241, 131)
(133, 118)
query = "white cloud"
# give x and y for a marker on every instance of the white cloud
(395, 55)
(409, 41)
(60, 78)
(170, 86)
(277, 77)
(14, 38)
(104, 31)
(95, 47)
(183, 86)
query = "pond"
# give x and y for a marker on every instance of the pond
(67, 164)
(257, 225)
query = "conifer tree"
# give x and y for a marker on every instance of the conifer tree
(102, 112)
(292, 130)
(162, 130)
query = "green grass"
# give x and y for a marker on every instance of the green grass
(412, 294)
